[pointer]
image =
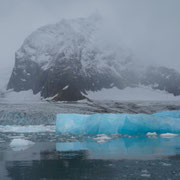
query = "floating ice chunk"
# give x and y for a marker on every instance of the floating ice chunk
(145, 173)
(20, 144)
(151, 134)
(165, 164)
(168, 135)
(132, 124)
(102, 138)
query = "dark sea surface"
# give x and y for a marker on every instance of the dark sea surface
(53, 156)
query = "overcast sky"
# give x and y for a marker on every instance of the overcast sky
(150, 28)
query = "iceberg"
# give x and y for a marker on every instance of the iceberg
(132, 124)
(172, 114)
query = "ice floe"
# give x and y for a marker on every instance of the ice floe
(20, 144)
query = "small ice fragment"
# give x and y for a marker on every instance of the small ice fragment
(145, 173)
(20, 144)
(102, 138)
(165, 164)
(168, 135)
(151, 134)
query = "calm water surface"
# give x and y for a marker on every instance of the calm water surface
(83, 157)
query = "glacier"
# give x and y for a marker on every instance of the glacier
(132, 124)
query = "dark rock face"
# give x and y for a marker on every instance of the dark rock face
(69, 94)
(26, 75)
(163, 78)
(63, 61)
(51, 82)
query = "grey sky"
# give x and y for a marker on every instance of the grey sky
(150, 28)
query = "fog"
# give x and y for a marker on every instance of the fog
(150, 29)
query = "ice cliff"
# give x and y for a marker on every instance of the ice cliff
(131, 124)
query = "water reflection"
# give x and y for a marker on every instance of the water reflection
(119, 157)
(120, 148)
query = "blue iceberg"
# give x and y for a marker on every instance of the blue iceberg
(132, 124)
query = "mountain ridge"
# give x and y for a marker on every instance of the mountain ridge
(72, 54)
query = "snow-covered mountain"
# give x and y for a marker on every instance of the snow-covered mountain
(68, 59)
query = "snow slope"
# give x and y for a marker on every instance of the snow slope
(20, 97)
(132, 94)
(115, 94)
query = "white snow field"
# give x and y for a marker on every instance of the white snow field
(141, 93)
(115, 94)
(20, 97)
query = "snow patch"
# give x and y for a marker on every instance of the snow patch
(51, 98)
(24, 80)
(65, 87)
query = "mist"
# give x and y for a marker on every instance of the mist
(150, 29)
